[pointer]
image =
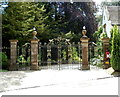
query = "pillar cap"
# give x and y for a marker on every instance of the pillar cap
(105, 39)
(13, 40)
(34, 40)
(84, 39)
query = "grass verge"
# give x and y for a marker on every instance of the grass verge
(2, 70)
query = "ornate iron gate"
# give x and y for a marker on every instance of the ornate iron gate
(60, 54)
(23, 57)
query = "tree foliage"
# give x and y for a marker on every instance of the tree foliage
(98, 35)
(80, 14)
(3, 61)
(115, 54)
(20, 18)
(51, 19)
(112, 3)
(55, 21)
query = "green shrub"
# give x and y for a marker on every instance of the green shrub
(115, 54)
(98, 35)
(75, 55)
(98, 49)
(28, 60)
(21, 61)
(64, 55)
(97, 61)
(3, 60)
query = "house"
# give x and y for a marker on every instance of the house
(111, 17)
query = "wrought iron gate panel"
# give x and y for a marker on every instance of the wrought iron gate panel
(55, 56)
(23, 57)
(95, 55)
(60, 56)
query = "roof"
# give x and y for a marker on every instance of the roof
(114, 14)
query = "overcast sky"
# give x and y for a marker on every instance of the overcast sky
(98, 1)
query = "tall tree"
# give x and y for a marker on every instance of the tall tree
(51, 19)
(81, 14)
(71, 17)
(19, 19)
(56, 19)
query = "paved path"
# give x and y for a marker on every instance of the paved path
(54, 82)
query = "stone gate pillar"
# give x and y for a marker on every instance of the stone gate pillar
(106, 63)
(34, 54)
(84, 42)
(13, 54)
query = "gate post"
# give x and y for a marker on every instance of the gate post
(13, 54)
(106, 63)
(84, 42)
(34, 54)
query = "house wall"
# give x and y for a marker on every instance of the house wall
(111, 16)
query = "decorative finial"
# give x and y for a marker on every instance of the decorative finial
(34, 33)
(84, 31)
(34, 29)
(84, 27)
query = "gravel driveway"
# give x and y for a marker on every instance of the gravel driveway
(10, 78)
(94, 81)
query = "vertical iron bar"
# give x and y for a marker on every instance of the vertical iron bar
(69, 55)
(59, 56)
(90, 55)
(79, 55)
(18, 57)
(29, 59)
(39, 54)
(49, 56)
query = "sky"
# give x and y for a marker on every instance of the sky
(98, 1)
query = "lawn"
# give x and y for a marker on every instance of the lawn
(2, 70)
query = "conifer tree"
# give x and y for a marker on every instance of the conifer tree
(20, 18)
(115, 54)
(56, 20)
